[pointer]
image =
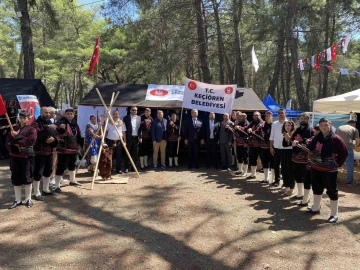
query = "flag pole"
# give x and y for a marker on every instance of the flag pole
(178, 144)
(252, 77)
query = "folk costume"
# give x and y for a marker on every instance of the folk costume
(69, 144)
(43, 156)
(146, 141)
(330, 153)
(91, 131)
(173, 136)
(242, 148)
(266, 156)
(255, 145)
(22, 154)
(299, 158)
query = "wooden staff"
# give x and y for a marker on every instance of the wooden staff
(102, 139)
(120, 137)
(84, 156)
(182, 109)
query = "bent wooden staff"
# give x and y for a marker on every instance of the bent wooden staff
(120, 137)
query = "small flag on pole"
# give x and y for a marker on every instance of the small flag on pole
(95, 56)
(254, 59)
(2, 106)
(288, 104)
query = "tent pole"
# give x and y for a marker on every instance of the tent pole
(181, 115)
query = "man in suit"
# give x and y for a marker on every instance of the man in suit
(211, 137)
(132, 123)
(159, 138)
(193, 136)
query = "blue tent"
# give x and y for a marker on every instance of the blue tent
(272, 106)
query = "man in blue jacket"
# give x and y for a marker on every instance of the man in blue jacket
(159, 138)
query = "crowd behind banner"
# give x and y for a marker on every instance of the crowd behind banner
(309, 157)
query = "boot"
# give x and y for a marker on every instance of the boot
(73, 182)
(142, 162)
(334, 205)
(240, 169)
(272, 176)
(46, 187)
(37, 194)
(57, 183)
(266, 175)
(300, 188)
(17, 201)
(170, 162)
(145, 161)
(176, 161)
(28, 195)
(253, 172)
(315, 208)
(306, 198)
(245, 170)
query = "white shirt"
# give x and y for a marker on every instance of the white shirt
(112, 134)
(133, 125)
(194, 121)
(212, 124)
(276, 134)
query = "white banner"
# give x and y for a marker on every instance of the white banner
(84, 112)
(209, 97)
(165, 92)
(30, 104)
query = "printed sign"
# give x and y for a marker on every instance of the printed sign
(165, 92)
(31, 104)
(209, 97)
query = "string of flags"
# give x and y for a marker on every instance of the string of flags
(323, 58)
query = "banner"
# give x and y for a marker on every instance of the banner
(31, 105)
(84, 112)
(209, 97)
(165, 92)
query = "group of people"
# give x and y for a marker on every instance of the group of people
(308, 156)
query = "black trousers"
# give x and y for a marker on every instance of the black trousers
(328, 180)
(254, 155)
(211, 153)
(299, 172)
(193, 154)
(286, 168)
(22, 170)
(307, 179)
(132, 146)
(117, 152)
(277, 162)
(43, 166)
(65, 161)
(242, 153)
(172, 149)
(145, 147)
(266, 158)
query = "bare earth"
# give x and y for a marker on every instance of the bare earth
(176, 220)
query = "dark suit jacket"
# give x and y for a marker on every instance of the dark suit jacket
(192, 133)
(158, 129)
(127, 122)
(206, 133)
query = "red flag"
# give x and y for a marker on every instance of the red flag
(317, 62)
(330, 67)
(2, 106)
(333, 52)
(95, 56)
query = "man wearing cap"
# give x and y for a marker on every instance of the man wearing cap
(145, 138)
(20, 142)
(69, 144)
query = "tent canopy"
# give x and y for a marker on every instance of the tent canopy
(10, 88)
(272, 106)
(344, 103)
(134, 95)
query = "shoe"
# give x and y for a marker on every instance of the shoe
(58, 190)
(29, 203)
(229, 169)
(351, 184)
(75, 184)
(312, 212)
(52, 182)
(15, 204)
(333, 219)
(163, 166)
(238, 173)
(126, 171)
(251, 177)
(244, 174)
(155, 167)
(264, 181)
(51, 193)
(300, 203)
(275, 184)
(39, 198)
(120, 172)
(287, 193)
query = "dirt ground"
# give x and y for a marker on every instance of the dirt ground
(176, 220)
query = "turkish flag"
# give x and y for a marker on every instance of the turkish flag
(95, 56)
(333, 52)
(2, 106)
(317, 62)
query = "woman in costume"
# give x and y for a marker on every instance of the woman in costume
(93, 140)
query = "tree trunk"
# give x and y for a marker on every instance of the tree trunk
(57, 90)
(204, 63)
(219, 43)
(326, 45)
(20, 65)
(26, 38)
(304, 105)
(279, 58)
(239, 69)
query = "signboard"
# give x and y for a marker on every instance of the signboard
(31, 104)
(165, 92)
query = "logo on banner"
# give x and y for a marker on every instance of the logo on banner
(228, 90)
(192, 85)
(159, 92)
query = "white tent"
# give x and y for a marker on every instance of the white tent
(345, 103)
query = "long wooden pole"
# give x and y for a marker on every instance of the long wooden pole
(181, 115)
(87, 150)
(120, 137)
(9, 122)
